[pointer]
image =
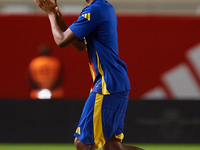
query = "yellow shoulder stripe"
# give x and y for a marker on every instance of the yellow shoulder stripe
(86, 16)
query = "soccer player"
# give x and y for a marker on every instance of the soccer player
(102, 120)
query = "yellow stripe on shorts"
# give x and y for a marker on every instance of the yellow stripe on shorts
(99, 139)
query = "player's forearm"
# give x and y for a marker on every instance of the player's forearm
(58, 34)
(79, 45)
(63, 36)
(61, 23)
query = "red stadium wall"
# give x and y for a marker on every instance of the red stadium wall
(151, 46)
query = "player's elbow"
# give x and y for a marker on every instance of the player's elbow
(60, 41)
(61, 44)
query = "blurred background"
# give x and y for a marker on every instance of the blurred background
(158, 39)
(182, 7)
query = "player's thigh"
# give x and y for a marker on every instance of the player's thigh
(81, 146)
(113, 144)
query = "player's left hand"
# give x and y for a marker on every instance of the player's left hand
(46, 5)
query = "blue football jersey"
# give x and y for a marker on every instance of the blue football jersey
(97, 23)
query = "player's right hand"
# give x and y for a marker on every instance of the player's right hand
(55, 3)
(46, 5)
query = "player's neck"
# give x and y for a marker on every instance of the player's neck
(89, 2)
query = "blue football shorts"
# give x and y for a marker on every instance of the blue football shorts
(102, 117)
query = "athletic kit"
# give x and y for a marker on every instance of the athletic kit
(104, 111)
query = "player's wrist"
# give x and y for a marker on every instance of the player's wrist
(52, 13)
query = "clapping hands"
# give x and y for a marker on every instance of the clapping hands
(47, 6)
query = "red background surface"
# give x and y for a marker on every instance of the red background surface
(150, 45)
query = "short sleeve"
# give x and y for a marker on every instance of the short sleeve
(88, 21)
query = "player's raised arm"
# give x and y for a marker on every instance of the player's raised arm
(63, 36)
(78, 44)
